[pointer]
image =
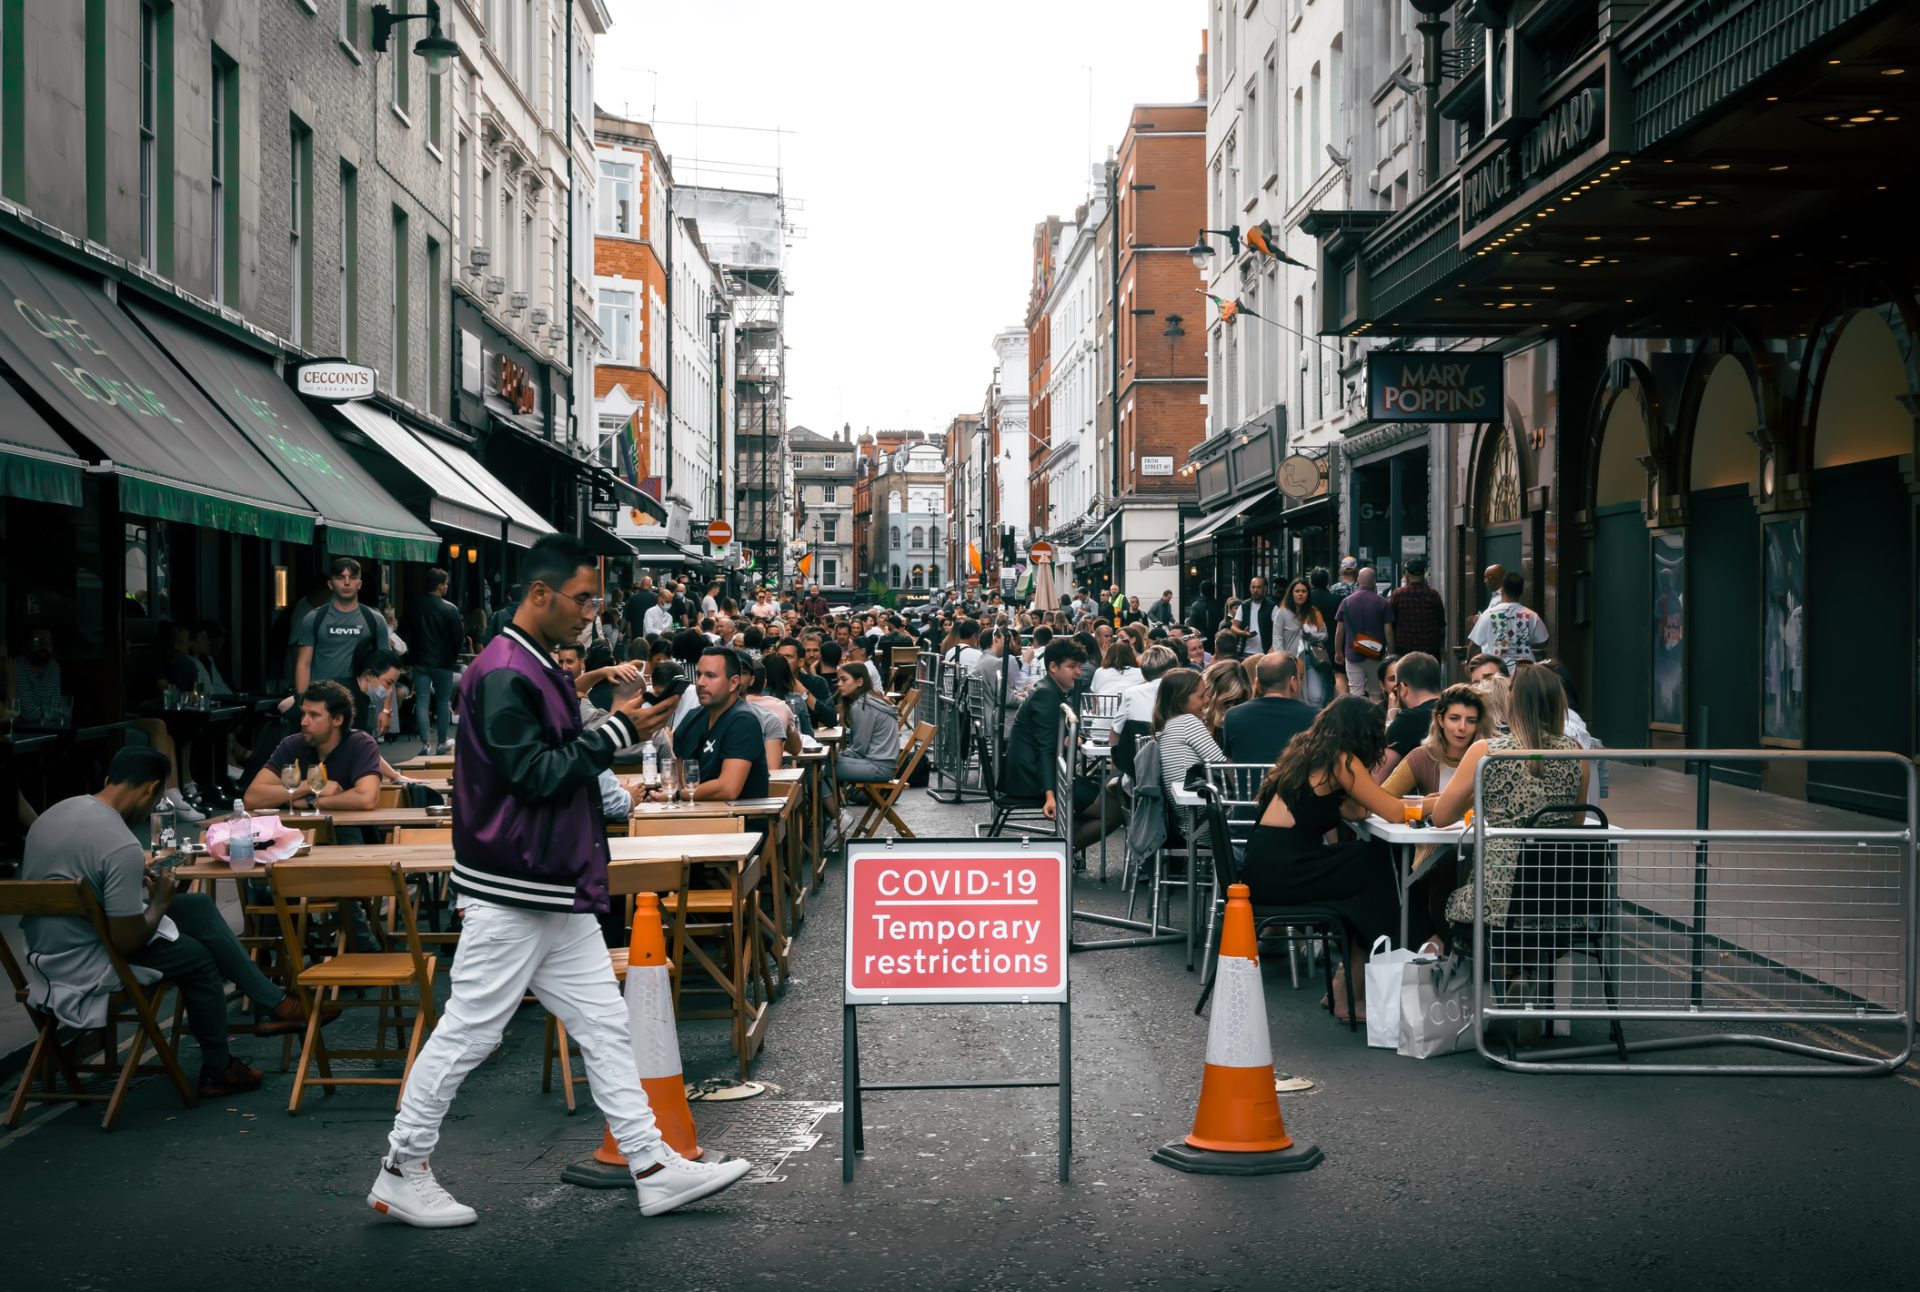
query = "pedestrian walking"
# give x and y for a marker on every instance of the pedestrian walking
(530, 871)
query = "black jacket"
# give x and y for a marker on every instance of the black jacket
(1030, 767)
(435, 633)
(821, 710)
(1256, 732)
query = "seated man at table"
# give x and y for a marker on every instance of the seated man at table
(178, 937)
(349, 757)
(1031, 766)
(1260, 730)
(722, 734)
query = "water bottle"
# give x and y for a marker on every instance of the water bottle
(240, 841)
(649, 766)
(162, 828)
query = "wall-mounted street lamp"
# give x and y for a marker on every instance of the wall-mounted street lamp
(1173, 331)
(438, 51)
(1202, 250)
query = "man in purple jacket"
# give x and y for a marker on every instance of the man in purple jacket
(530, 867)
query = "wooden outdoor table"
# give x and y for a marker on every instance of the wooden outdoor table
(388, 818)
(780, 864)
(425, 762)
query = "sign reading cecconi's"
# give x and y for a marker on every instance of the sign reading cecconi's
(335, 379)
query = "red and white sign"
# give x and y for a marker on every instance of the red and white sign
(719, 533)
(1041, 553)
(956, 922)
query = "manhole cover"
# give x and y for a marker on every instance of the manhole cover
(768, 1131)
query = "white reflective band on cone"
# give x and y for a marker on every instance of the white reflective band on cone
(656, 1043)
(1238, 1037)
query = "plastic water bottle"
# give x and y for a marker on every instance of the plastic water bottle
(240, 841)
(649, 766)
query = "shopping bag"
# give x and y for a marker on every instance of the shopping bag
(1436, 1007)
(1383, 992)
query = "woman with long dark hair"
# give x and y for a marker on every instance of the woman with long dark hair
(872, 745)
(1303, 632)
(1320, 779)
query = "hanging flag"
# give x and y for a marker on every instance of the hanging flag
(631, 466)
(973, 558)
(804, 565)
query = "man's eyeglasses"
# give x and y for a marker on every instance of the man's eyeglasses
(587, 602)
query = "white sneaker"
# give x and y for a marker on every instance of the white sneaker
(675, 1182)
(410, 1193)
(182, 809)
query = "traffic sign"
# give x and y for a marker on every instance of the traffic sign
(1041, 553)
(719, 533)
(956, 922)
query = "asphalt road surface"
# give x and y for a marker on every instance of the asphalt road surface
(1442, 1174)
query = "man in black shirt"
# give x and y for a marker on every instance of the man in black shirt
(1257, 731)
(1417, 677)
(722, 734)
(1031, 767)
(434, 640)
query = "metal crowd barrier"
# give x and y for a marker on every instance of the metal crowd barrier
(957, 777)
(1786, 934)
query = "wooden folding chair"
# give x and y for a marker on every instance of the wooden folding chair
(625, 880)
(387, 796)
(294, 881)
(882, 795)
(734, 919)
(909, 700)
(432, 888)
(129, 1003)
(903, 667)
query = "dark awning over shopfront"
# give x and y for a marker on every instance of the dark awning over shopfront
(604, 542)
(360, 517)
(1221, 519)
(34, 462)
(524, 524)
(176, 456)
(451, 501)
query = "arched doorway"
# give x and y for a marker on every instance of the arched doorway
(1860, 607)
(1499, 513)
(1722, 594)
(1617, 704)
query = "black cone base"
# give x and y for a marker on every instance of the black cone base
(1182, 1156)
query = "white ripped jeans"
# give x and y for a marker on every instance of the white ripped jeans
(503, 951)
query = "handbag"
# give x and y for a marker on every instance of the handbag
(1318, 652)
(1369, 647)
(1436, 1007)
(1384, 966)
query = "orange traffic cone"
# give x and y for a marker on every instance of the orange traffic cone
(656, 1053)
(1237, 1128)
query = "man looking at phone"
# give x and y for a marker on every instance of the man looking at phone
(530, 873)
(165, 935)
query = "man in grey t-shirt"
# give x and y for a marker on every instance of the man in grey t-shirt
(181, 938)
(326, 640)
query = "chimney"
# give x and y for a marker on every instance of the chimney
(1200, 68)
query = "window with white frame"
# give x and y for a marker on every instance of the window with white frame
(615, 199)
(829, 529)
(830, 570)
(831, 493)
(1270, 128)
(616, 318)
(1250, 122)
(150, 179)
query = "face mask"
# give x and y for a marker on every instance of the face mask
(377, 694)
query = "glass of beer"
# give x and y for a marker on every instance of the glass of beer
(1412, 807)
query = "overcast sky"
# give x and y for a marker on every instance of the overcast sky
(926, 142)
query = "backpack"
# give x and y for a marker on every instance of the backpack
(363, 651)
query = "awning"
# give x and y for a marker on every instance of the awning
(524, 524)
(35, 463)
(360, 518)
(658, 551)
(1220, 519)
(628, 494)
(176, 456)
(451, 500)
(605, 542)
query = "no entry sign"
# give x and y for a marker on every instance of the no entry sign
(956, 922)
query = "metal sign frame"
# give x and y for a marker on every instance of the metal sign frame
(995, 852)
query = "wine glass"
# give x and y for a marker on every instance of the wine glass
(670, 779)
(690, 776)
(290, 779)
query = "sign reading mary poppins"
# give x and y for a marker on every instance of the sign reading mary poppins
(1434, 386)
